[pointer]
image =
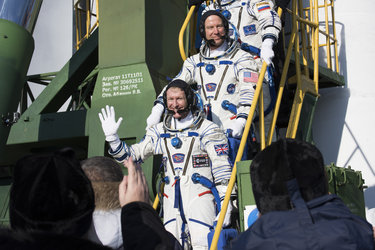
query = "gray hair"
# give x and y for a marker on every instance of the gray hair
(102, 169)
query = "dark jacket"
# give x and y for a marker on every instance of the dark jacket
(142, 229)
(326, 223)
(18, 240)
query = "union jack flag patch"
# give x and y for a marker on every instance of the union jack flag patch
(222, 149)
(250, 77)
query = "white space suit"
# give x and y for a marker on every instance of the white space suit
(232, 79)
(254, 21)
(202, 149)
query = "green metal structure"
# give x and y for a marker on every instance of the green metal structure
(125, 63)
(16, 49)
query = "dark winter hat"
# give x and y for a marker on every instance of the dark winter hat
(280, 162)
(51, 193)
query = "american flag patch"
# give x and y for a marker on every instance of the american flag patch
(178, 158)
(263, 6)
(250, 77)
(222, 149)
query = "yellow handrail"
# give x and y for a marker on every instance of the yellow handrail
(258, 95)
(182, 31)
(90, 27)
(238, 158)
(156, 202)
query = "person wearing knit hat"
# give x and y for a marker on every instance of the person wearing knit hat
(290, 189)
(51, 204)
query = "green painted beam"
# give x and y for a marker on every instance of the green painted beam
(67, 80)
(16, 49)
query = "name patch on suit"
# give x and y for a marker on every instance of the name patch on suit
(201, 161)
(249, 30)
(178, 158)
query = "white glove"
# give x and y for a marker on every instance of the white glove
(266, 52)
(109, 124)
(237, 127)
(226, 221)
(154, 117)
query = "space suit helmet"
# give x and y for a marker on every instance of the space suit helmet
(189, 93)
(203, 20)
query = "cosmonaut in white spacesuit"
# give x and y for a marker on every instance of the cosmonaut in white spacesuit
(256, 22)
(258, 27)
(195, 157)
(226, 76)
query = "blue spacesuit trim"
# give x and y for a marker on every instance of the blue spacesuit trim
(225, 62)
(199, 222)
(226, 4)
(159, 100)
(165, 135)
(269, 36)
(193, 134)
(123, 157)
(207, 129)
(201, 64)
(178, 200)
(118, 149)
(251, 49)
(204, 181)
(171, 220)
(242, 116)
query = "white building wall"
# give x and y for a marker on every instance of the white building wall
(344, 121)
(53, 39)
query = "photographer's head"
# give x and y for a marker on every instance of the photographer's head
(280, 162)
(51, 193)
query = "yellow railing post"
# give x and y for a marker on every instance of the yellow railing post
(182, 31)
(298, 98)
(303, 38)
(281, 87)
(316, 44)
(88, 13)
(334, 35)
(238, 158)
